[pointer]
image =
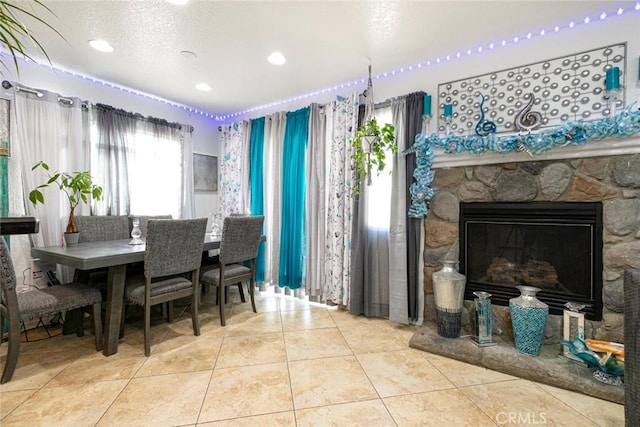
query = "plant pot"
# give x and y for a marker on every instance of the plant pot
(71, 239)
(367, 142)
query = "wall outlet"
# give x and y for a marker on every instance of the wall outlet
(36, 277)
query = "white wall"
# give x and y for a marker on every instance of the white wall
(625, 28)
(205, 134)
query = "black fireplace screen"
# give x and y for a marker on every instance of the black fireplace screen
(554, 246)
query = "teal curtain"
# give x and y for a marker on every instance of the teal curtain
(292, 236)
(256, 173)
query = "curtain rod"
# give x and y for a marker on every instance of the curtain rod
(8, 85)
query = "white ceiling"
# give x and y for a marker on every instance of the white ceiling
(327, 43)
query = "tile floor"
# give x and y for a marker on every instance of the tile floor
(292, 364)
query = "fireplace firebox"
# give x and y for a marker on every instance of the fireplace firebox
(554, 246)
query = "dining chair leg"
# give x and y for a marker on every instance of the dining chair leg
(242, 298)
(252, 286)
(12, 352)
(97, 325)
(221, 302)
(147, 330)
(169, 311)
(122, 317)
(194, 315)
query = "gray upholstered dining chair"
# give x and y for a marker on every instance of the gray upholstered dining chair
(17, 307)
(174, 250)
(241, 237)
(99, 228)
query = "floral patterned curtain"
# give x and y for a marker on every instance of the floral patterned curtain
(233, 156)
(340, 204)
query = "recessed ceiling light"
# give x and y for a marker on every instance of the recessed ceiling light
(101, 45)
(203, 87)
(276, 58)
(178, 2)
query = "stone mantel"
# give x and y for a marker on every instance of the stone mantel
(606, 147)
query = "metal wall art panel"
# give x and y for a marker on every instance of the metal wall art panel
(571, 88)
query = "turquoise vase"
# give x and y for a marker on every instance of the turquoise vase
(528, 318)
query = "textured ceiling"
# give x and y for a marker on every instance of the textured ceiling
(326, 43)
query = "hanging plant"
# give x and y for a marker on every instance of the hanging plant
(370, 147)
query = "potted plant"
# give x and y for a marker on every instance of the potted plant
(77, 186)
(370, 146)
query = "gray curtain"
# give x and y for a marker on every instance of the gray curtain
(398, 290)
(116, 129)
(111, 162)
(316, 204)
(414, 103)
(370, 261)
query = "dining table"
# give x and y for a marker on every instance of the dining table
(115, 255)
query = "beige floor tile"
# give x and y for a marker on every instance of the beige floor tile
(406, 331)
(346, 320)
(265, 303)
(10, 400)
(74, 405)
(163, 400)
(182, 353)
(518, 402)
(367, 413)
(294, 320)
(133, 342)
(364, 339)
(209, 320)
(464, 374)
(329, 381)
(251, 350)
(599, 411)
(35, 370)
(436, 408)
(97, 367)
(250, 323)
(396, 373)
(60, 343)
(279, 419)
(288, 303)
(247, 391)
(315, 343)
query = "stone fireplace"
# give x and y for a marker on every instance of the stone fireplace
(610, 181)
(553, 246)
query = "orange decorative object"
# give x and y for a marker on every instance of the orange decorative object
(606, 346)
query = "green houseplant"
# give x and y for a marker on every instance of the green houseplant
(77, 186)
(370, 146)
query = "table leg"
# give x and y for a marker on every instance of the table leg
(115, 295)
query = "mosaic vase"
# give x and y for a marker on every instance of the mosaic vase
(448, 295)
(528, 318)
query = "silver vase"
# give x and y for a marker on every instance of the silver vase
(448, 295)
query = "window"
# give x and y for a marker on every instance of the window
(379, 192)
(139, 164)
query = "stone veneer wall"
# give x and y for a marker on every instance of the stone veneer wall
(613, 180)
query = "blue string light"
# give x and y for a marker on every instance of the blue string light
(623, 125)
(426, 63)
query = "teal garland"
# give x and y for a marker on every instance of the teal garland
(623, 125)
